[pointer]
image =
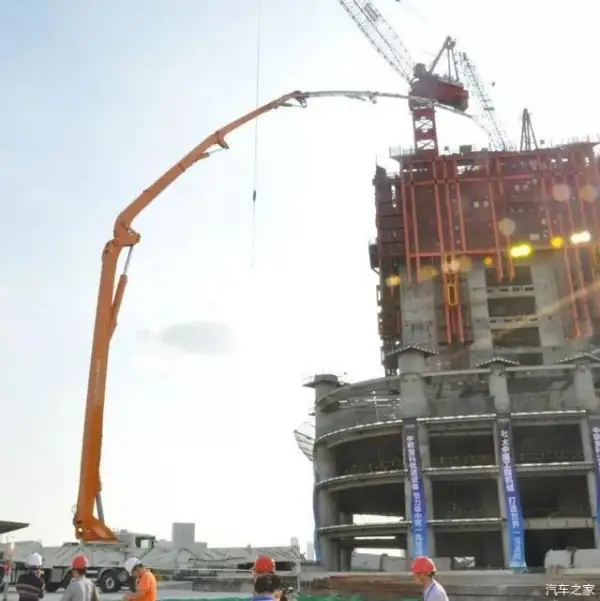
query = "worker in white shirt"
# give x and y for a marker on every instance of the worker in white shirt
(423, 570)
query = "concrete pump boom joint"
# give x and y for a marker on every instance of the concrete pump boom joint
(88, 527)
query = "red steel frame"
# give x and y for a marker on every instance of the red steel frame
(432, 219)
(424, 129)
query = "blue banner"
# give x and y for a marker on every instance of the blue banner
(594, 426)
(512, 499)
(412, 462)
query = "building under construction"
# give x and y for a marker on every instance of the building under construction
(482, 441)
(483, 437)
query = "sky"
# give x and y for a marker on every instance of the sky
(215, 339)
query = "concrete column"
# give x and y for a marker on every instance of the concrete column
(588, 455)
(427, 484)
(583, 386)
(345, 519)
(547, 294)
(323, 384)
(423, 435)
(324, 460)
(324, 467)
(411, 366)
(480, 314)
(498, 386)
(502, 502)
(413, 394)
(345, 559)
(328, 515)
(418, 311)
(407, 512)
(498, 390)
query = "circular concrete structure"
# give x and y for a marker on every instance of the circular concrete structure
(429, 452)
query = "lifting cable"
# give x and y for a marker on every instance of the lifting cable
(256, 100)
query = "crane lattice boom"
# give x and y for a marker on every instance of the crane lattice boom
(381, 35)
(489, 121)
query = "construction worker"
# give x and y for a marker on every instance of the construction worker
(145, 586)
(267, 585)
(81, 588)
(31, 585)
(263, 565)
(423, 570)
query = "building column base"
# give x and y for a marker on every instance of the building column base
(345, 559)
(330, 554)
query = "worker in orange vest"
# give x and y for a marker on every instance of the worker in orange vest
(145, 585)
(423, 570)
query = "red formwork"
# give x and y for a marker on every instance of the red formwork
(442, 212)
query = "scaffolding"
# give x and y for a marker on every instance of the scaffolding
(438, 216)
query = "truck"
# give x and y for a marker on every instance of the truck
(106, 560)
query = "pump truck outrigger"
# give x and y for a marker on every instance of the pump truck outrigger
(88, 527)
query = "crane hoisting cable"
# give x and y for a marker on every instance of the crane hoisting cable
(256, 122)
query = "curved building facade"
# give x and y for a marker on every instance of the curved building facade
(497, 463)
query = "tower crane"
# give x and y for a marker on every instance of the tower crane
(427, 89)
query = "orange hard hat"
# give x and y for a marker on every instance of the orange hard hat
(264, 565)
(422, 565)
(80, 562)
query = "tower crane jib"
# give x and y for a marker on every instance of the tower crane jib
(381, 35)
(497, 135)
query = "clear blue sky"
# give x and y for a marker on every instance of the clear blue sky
(98, 98)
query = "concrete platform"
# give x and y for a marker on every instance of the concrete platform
(461, 586)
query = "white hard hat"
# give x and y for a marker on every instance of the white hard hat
(35, 560)
(131, 563)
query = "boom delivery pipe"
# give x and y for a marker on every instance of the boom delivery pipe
(88, 527)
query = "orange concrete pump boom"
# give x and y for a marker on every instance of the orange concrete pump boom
(88, 527)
